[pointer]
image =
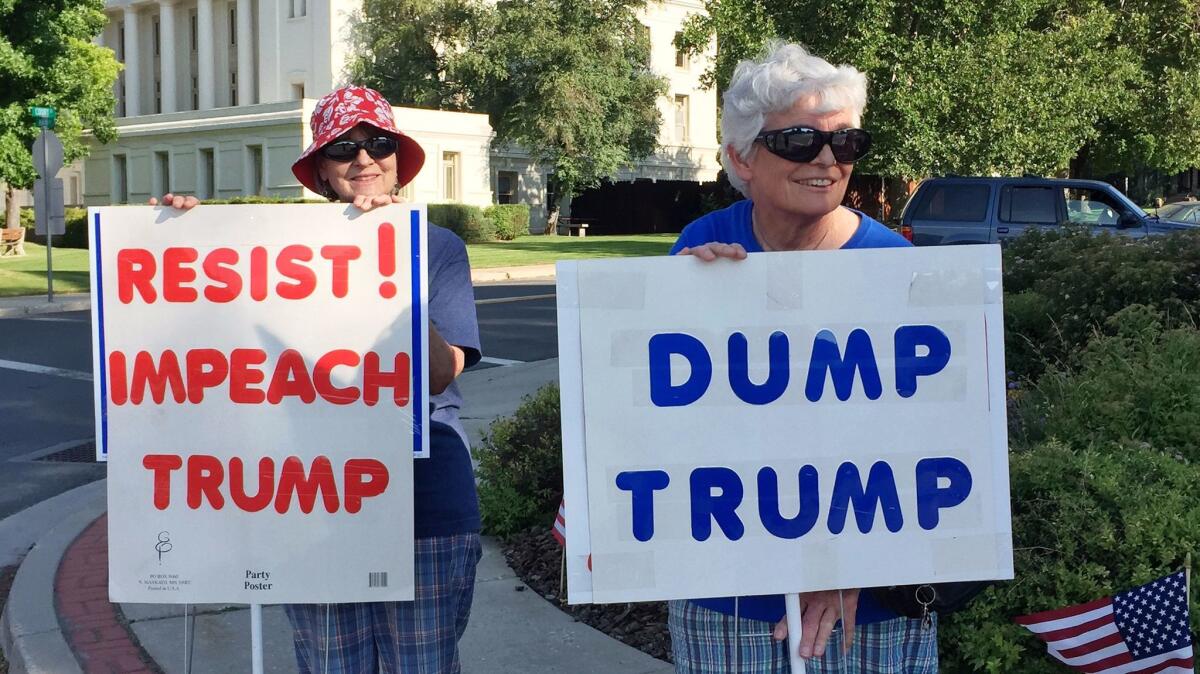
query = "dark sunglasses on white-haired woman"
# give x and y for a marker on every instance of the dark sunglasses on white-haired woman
(802, 144)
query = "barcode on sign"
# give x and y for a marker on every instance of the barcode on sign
(377, 579)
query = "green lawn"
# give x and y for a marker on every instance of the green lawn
(27, 275)
(541, 249)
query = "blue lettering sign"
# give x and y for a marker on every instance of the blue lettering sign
(707, 507)
(768, 504)
(739, 369)
(642, 484)
(827, 357)
(662, 392)
(879, 492)
(930, 497)
(909, 365)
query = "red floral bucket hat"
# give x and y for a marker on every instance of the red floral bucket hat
(340, 111)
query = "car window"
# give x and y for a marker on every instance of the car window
(1091, 207)
(1035, 205)
(1192, 215)
(966, 203)
(1171, 211)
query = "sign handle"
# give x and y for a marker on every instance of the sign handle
(792, 603)
(256, 639)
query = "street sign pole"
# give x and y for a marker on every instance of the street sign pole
(46, 200)
(45, 119)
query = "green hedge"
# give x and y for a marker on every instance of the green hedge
(468, 222)
(76, 224)
(509, 220)
(520, 466)
(1060, 287)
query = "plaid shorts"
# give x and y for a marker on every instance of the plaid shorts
(702, 642)
(414, 637)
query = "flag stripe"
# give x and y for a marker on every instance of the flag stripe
(1181, 658)
(1065, 645)
(1095, 642)
(1049, 617)
(1106, 654)
(1077, 630)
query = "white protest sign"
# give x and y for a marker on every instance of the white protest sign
(260, 397)
(786, 423)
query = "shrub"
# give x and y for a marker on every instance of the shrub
(1083, 528)
(468, 222)
(509, 220)
(520, 466)
(1062, 286)
(1135, 385)
(76, 225)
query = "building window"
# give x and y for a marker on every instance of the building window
(206, 183)
(162, 174)
(255, 170)
(681, 119)
(195, 31)
(233, 24)
(121, 94)
(298, 9)
(195, 92)
(506, 187)
(120, 179)
(233, 89)
(157, 41)
(450, 180)
(157, 96)
(298, 92)
(681, 59)
(74, 196)
(121, 42)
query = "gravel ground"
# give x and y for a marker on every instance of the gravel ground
(537, 559)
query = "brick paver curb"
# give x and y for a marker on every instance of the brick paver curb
(91, 624)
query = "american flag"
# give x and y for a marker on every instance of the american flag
(1140, 631)
(560, 523)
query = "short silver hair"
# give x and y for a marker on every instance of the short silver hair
(772, 84)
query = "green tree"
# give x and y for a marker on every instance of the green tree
(47, 58)
(566, 80)
(983, 86)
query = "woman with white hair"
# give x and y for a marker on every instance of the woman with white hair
(790, 133)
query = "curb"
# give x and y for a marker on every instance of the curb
(30, 633)
(524, 273)
(35, 305)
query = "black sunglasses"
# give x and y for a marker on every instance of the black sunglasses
(346, 150)
(802, 144)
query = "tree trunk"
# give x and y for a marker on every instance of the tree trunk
(12, 214)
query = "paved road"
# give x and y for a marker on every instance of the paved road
(46, 388)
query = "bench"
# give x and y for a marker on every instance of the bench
(572, 227)
(12, 241)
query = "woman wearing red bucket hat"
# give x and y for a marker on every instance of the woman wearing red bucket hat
(359, 157)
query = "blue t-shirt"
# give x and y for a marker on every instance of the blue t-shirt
(733, 225)
(444, 498)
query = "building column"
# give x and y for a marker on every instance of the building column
(166, 54)
(245, 55)
(205, 55)
(133, 63)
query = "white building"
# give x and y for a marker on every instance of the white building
(215, 98)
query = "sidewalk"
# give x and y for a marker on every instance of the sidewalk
(58, 619)
(33, 305)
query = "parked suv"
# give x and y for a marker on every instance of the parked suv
(955, 210)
